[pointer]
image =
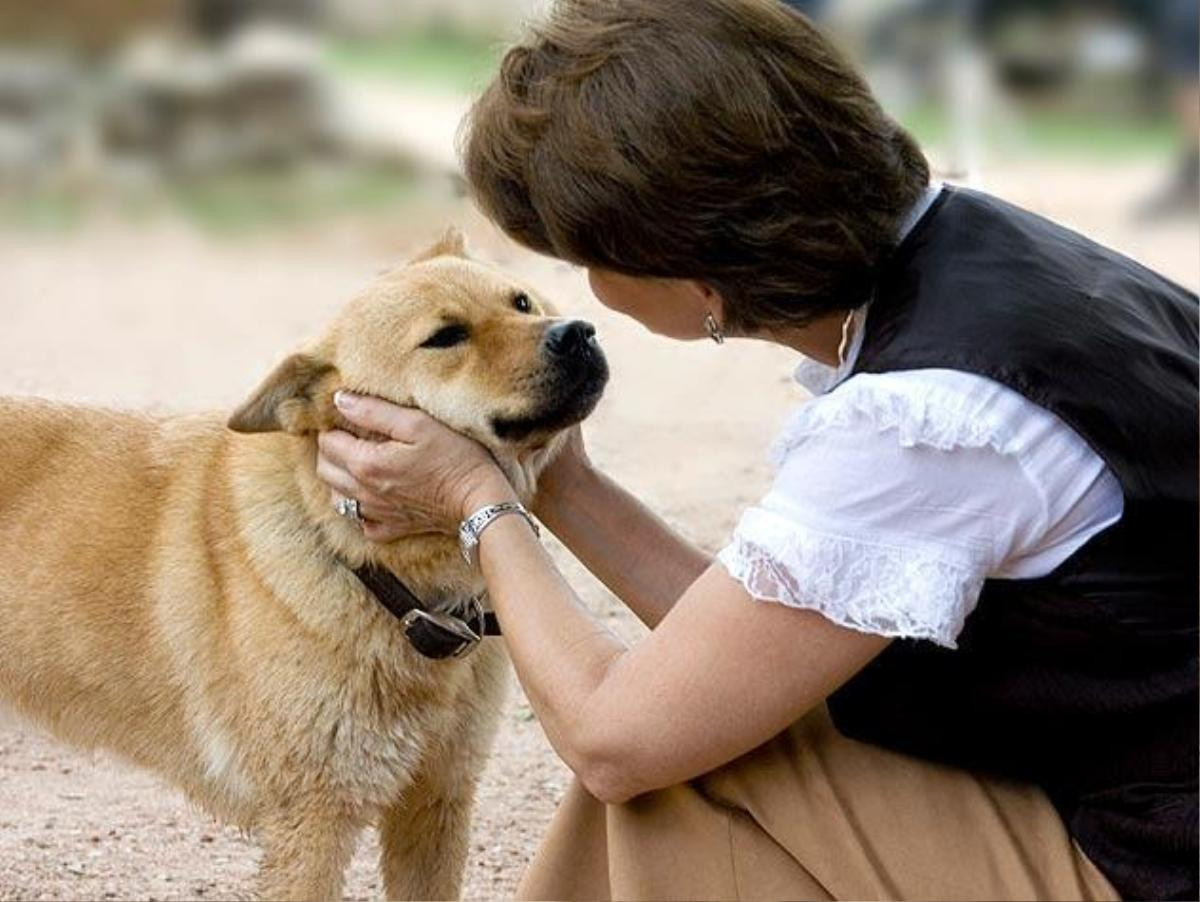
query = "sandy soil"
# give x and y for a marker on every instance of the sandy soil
(166, 320)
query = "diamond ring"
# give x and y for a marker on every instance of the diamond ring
(349, 507)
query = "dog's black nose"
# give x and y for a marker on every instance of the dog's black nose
(570, 338)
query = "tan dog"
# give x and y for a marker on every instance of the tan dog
(181, 594)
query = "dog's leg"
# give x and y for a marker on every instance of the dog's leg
(423, 843)
(424, 835)
(306, 850)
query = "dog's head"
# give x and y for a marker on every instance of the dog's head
(457, 339)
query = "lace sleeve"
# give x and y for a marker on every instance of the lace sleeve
(863, 585)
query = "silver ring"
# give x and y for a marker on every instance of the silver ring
(349, 507)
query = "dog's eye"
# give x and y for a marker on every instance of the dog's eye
(522, 303)
(446, 337)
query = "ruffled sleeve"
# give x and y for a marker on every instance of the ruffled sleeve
(893, 501)
(885, 589)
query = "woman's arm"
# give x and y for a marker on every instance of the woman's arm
(639, 557)
(719, 675)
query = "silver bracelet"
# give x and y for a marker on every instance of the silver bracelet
(472, 528)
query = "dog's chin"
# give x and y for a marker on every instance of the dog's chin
(540, 425)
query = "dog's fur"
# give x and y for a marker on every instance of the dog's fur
(179, 592)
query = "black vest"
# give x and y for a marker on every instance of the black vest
(1083, 681)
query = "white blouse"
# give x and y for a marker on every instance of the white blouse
(897, 494)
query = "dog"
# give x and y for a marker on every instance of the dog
(181, 592)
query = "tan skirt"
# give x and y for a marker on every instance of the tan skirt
(813, 815)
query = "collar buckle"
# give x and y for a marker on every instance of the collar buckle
(438, 635)
(434, 634)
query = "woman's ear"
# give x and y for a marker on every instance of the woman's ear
(296, 398)
(710, 294)
(708, 299)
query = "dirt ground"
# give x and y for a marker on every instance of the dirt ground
(166, 320)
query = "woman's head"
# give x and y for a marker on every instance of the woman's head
(721, 141)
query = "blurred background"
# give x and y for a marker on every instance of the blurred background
(190, 188)
(249, 114)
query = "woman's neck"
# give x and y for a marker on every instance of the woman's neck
(819, 340)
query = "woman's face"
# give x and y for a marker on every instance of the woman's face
(674, 308)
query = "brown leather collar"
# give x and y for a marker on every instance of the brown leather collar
(434, 634)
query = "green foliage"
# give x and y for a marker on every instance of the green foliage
(1059, 134)
(233, 203)
(44, 210)
(248, 201)
(436, 59)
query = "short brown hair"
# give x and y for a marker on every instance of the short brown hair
(726, 141)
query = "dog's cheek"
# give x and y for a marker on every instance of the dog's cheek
(454, 402)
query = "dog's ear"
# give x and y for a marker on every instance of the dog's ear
(295, 398)
(453, 243)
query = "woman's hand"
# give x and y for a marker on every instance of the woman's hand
(425, 478)
(556, 483)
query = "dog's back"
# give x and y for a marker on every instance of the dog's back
(82, 496)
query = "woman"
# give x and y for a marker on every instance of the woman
(978, 557)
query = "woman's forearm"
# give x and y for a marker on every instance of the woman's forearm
(560, 652)
(630, 549)
(628, 720)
